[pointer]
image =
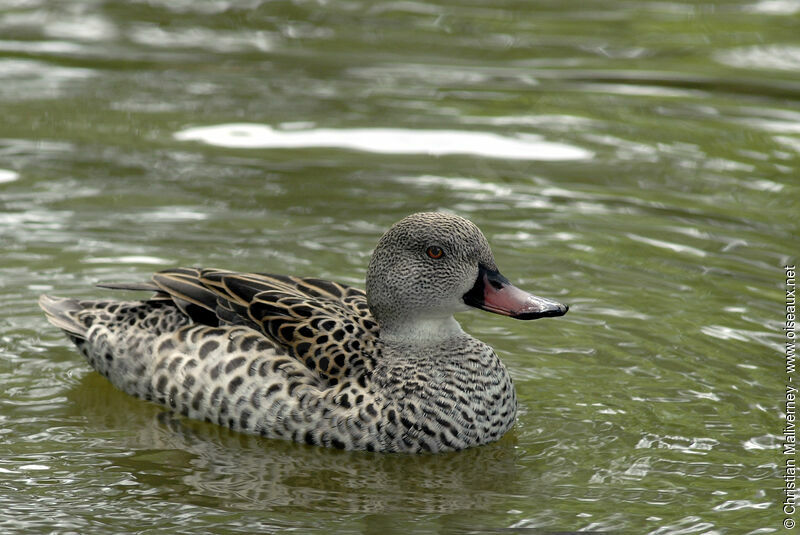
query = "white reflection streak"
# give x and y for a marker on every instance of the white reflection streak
(774, 7)
(385, 141)
(129, 259)
(678, 248)
(7, 175)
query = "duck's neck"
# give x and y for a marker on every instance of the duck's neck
(420, 331)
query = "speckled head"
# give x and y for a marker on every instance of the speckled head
(431, 265)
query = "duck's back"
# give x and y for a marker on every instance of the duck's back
(257, 353)
(230, 375)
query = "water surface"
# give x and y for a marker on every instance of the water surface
(637, 160)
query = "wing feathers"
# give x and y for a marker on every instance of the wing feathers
(318, 322)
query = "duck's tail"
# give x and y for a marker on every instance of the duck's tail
(118, 338)
(63, 313)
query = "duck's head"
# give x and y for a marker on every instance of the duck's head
(431, 265)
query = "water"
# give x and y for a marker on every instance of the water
(638, 160)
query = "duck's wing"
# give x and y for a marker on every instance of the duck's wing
(191, 299)
(325, 325)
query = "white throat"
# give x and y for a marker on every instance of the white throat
(421, 331)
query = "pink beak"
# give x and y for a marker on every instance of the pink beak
(494, 293)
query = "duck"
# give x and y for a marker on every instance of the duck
(388, 369)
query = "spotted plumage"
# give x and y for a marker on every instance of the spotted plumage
(318, 362)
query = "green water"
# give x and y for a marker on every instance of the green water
(637, 160)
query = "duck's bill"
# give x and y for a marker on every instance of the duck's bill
(492, 292)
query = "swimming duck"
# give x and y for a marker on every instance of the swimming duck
(319, 362)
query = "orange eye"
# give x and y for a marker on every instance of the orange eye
(435, 252)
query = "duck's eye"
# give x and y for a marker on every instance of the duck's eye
(435, 252)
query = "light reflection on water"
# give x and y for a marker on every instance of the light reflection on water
(6, 175)
(385, 140)
(761, 57)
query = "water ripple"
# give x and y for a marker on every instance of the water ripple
(734, 505)
(31, 79)
(764, 338)
(777, 57)
(696, 445)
